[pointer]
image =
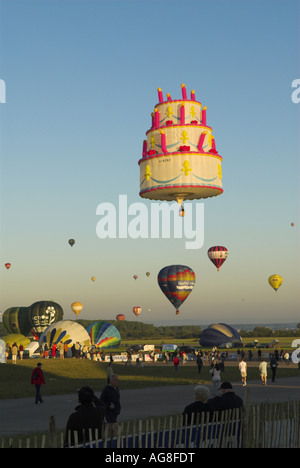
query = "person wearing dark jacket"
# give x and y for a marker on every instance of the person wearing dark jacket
(227, 400)
(37, 379)
(111, 398)
(201, 395)
(89, 414)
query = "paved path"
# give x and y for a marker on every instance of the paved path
(23, 416)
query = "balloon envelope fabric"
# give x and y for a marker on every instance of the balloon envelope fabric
(176, 282)
(219, 334)
(66, 331)
(104, 335)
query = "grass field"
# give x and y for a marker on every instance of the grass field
(66, 376)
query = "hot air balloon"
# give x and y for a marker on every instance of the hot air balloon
(292, 224)
(179, 158)
(71, 242)
(17, 320)
(7, 266)
(120, 317)
(275, 281)
(66, 331)
(44, 313)
(219, 334)
(217, 255)
(176, 282)
(76, 307)
(148, 273)
(136, 310)
(135, 277)
(93, 278)
(104, 335)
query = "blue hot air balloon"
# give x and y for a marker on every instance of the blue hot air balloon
(176, 282)
(219, 334)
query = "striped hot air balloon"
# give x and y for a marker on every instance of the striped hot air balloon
(136, 310)
(176, 282)
(217, 255)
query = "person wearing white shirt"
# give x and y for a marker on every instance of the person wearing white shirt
(243, 371)
(263, 371)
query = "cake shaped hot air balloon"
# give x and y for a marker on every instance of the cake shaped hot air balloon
(176, 282)
(180, 160)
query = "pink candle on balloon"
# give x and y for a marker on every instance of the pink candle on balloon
(144, 148)
(160, 95)
(156, 118)
(204, 115)
(183, 88)
(163, 142)
(169, 97)
(193, 97)
(201, 141)
(182, 115)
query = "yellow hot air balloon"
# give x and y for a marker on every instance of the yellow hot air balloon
(93, 278)
(76, 307)
(275, 281)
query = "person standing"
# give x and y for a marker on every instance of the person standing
(263, 371)
(21, 351)
(273, 365)
(199, 363)
(111, 398)
(14, 353)
(61, 348)
(37, 379)
(176, 363)
(109, 372)
(243, 371)
(215, 373)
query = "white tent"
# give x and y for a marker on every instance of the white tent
(2, 352)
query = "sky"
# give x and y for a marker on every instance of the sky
(81, 80)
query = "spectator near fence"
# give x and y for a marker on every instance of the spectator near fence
(111, 398)
(88, 415)
(201, 395)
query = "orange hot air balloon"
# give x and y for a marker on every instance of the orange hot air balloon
(7, 266)
(76, 307)
(136, 310)
(120, 317)
(93, 278)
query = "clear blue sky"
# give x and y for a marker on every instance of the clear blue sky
(81, 82)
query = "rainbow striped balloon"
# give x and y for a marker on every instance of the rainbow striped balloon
(104, 335)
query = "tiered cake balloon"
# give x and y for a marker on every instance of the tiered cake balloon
(180, 160)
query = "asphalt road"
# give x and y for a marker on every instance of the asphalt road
(23, 416)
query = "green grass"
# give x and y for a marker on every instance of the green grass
(64, 377)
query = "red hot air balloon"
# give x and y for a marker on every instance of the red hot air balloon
(120, 317)
(7, 266)
(136, 310)
(217, 255)
(135, 277)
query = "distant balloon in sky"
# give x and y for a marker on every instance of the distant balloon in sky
(275, 281)
(76, 307)
(292, 224)
(176, 282)
(136, 310)
(179, 158)
(93, 278)
(135, 277)
(120, 317)
(217, 255)
(7, 266)
(71, 242)
(148, 273)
